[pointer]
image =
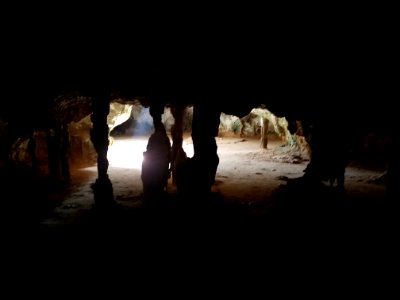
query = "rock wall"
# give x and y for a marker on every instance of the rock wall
(250, 125)
(73, 111)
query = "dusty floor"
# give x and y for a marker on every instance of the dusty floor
(247, 176)
(254, 201)
(256, 216)
(250, 194)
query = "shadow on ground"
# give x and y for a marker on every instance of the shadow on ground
(299, 213)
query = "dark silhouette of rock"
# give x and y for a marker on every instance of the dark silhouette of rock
(156, 163)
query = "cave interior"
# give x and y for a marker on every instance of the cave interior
(65, 114)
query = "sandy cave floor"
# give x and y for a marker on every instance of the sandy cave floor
(248, 179)
(256, 212)
(252, 221)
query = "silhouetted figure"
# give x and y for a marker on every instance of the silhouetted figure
(156, 160)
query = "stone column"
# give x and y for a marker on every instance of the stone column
(177, 152)
(264, 133)
(102, 188)
(156, 160)
(156, 110)
(205, 125)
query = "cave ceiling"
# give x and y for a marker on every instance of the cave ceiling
(291, 79)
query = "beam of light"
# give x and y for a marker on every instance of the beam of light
(188, 148)
(144, 123)
(127, 153)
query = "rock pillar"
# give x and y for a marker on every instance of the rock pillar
(264, 133)
(205, 161)
(102, 188)
(177, 152)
